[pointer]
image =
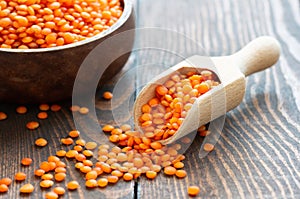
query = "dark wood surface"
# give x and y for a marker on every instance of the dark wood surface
(258, 153)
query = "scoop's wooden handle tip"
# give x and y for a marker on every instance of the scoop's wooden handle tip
(259, 54)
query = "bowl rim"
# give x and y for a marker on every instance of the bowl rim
(127, 10)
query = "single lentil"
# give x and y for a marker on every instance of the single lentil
(42, 115)
(3, 116)
(208, 147)
(51, 195)
(3, 188)
(84, 110)
(41, 142)
(102, 182)
(26, 161)
(21, 109)
(44, 107)
(55, 107)
(59, 190)
(46, 183)
(32, 125)
(107, 95)
(72, 185)
(193, 190)
(27, 188)
(6, 181)
(20, 176)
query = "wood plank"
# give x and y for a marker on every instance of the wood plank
(257, 155)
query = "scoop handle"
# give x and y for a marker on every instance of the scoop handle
(258, 55)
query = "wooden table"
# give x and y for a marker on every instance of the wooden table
(258, 153)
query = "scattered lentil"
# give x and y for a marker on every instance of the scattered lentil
(3, 116)
(169, 170)
(208, 147)
(46, 183)
(102, 182)
(107, 95)
(84, 110)
(44, 107)
(21, 109)
(41, 142)
(91, 145)
(60, 177)
(55, 107)
(51, 195)
(61, 153)
(72, 185)
(27, 188)
(42, 115)
(180, 173)
(3, 188)
(39, 172)
(193, 190)
(20, 176)
(6, 181)
(59, 190)
(91, 183)
(74, 133)
(74, 108)
(32, 125)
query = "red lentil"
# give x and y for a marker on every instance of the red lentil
(67, 141)
(20, 176)
(46, 183)
(74, 108)
(32, 125)
(51, 195)
(84, 110)
(208, 147)
(180, 173)
(3, 115)
(39, 172)
(151, 174)
(102, 182)
(47, 176)
(26, 161)
(72, 185)
(127, 176)
(169, 170)
(80, 142)
(59, 190)
(27, 188)
(112, 179)
(193, 190)
(107, 128)
(21, 109)
(60, 177)
(43, 107)
(42, 115)
(74, 133)
(60, 170)
(6, 181)
(61, 153)
(55, 107)
(41, 142)
(107, 95)
(3, 188)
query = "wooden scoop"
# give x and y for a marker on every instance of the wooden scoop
(231, 71)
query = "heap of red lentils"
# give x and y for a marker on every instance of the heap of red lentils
(47, 23)
(134, 153)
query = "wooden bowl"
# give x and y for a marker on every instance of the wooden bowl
(48, 74)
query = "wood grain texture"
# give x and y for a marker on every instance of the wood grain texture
(258, 153)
